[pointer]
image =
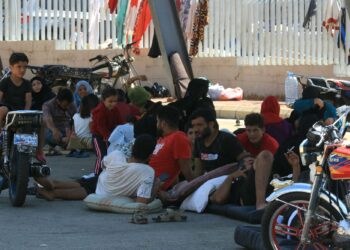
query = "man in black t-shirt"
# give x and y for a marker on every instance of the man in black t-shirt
(15, 91)
(213, 148)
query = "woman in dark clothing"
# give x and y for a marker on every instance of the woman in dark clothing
(280, 164)
(195, 97)
(41, 93)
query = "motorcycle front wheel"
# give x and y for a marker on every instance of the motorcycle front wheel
(282, 223)
(19, 176)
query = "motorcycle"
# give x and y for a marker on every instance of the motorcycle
(104, 70)
(19, 141)
(335, 90)
(317, 215)
(122, 68)
(62, 75)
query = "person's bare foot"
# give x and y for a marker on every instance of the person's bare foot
(47, 194)
(45, 182)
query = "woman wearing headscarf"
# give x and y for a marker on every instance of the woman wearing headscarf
(275, 126)
(82, 89)
(195, 97)
(41, 93)
(281, 165)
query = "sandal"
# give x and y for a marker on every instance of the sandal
(138, 218)
(171, 215)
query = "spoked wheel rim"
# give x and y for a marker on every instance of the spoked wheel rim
(287, 223)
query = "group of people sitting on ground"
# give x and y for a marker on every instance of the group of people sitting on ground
(144, 149)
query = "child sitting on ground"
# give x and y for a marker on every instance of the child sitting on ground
(81, 137)
(41, 93)
(105, 117)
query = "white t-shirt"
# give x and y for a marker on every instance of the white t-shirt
(81, 126)
(120, 178)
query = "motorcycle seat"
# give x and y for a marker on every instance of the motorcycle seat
(345, 83)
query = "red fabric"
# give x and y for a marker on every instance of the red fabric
(104, 120)
(178, 5)
(268, 143)
(270, 110)
(126, 110)
(135, 111)
(133, 3)
(112, 4)
(143, 19)
(169, 149)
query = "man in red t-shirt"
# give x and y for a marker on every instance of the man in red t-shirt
(172, 154)
(261, 147)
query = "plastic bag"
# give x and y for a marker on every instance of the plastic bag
(231, 94)
(215, 91)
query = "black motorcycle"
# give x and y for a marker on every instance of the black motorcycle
(335, 90)
(20, 139)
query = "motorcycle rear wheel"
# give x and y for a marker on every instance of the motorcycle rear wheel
(282, 223)
(19, 176)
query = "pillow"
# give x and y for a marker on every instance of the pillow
(199, 199)
(124, 205)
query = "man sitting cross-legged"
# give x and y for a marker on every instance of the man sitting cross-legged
(120, 177)
(251, 189)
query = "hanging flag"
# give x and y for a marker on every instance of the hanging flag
(131, 19)
(143, 19)
(310, 13)
(112, 4)
(332, 16)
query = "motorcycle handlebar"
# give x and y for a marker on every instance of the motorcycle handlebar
(129, 45)
(98, 58)
(104, 65)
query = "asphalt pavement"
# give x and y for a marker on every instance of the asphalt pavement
(40, 224)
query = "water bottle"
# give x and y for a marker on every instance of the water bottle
(291, 88)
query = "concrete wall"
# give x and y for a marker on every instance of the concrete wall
(254, 80)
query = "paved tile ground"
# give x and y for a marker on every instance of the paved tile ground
(40, 224)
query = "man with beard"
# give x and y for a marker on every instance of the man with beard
(172, 154)
(213, 148)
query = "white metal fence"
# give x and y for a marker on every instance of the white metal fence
(257, 32)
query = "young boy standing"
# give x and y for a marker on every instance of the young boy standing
(105, 117)
(15, 91)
